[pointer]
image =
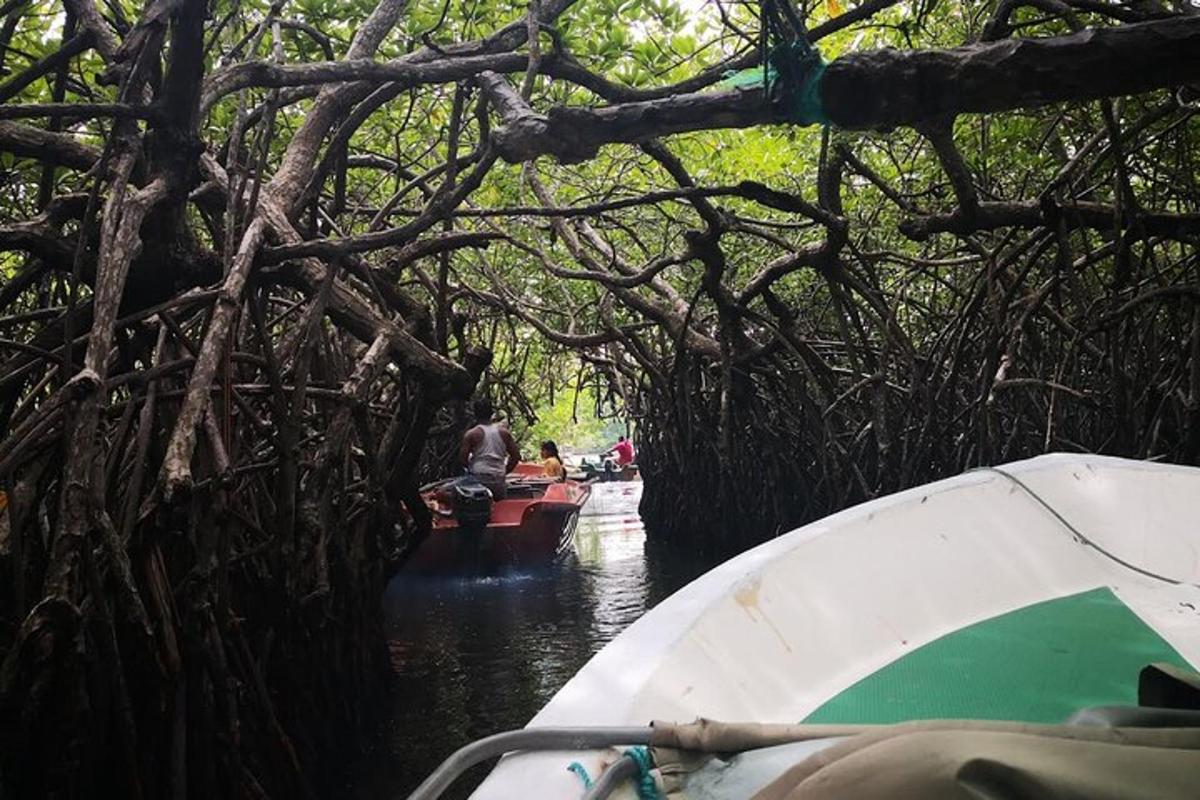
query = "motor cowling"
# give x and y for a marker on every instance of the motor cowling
(470, 502)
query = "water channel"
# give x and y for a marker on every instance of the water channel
(475, 656)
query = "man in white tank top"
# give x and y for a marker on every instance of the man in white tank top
(488, 450)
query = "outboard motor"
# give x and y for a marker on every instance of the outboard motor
(610, 470)
(471, 502)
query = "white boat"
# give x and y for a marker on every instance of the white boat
(1016, 593)
(614, 498)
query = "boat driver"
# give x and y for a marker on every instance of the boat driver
(488, 450)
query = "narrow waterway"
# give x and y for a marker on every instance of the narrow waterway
(475, 656)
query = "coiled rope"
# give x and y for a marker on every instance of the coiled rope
(635, 763)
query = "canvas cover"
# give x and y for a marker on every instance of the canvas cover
(928, 760)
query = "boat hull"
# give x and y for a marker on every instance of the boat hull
(522, 533)
(993, 595)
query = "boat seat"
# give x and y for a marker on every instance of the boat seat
(1135, 717)
(1168, 697)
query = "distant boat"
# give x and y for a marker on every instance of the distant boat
(533, 525)
(617, 497)
(1025, 592)
(602, 469)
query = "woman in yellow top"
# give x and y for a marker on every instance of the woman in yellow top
(552, 465)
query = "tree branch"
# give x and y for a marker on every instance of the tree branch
(888, 88)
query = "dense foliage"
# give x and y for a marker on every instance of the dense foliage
(257, 256)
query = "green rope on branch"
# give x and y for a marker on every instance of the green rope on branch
(800, 68)
(790, 72)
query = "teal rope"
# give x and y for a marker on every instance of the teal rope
(647, 789)
(581, 771)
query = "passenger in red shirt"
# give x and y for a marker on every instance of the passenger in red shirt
(624, 451)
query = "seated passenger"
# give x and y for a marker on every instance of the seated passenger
(552, 465)
(623, 451)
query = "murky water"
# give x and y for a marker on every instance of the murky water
(475, 656)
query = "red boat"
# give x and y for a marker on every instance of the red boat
(534, 525)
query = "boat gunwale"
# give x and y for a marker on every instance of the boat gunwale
(639, 649)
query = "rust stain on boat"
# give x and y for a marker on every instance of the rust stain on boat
(746, 596)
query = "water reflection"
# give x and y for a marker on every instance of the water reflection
(473, 656)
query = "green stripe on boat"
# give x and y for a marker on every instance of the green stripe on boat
(1039, 663)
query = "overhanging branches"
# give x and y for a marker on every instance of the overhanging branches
(885, 89)
(225, 372)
